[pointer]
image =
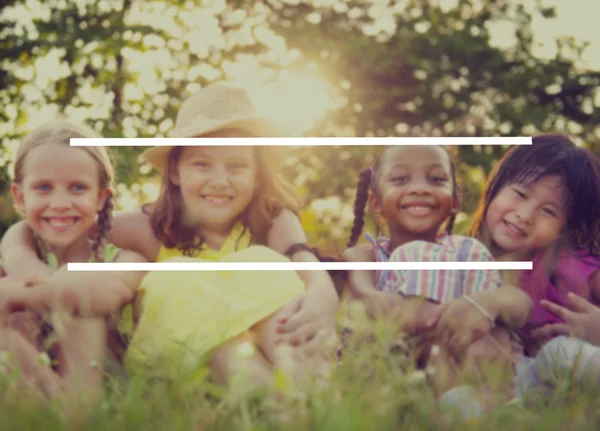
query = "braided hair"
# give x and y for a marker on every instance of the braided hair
(368, 181)
(61, 132)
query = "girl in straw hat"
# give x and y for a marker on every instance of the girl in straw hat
(220, 203)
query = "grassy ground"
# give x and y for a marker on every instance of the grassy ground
(370, 390)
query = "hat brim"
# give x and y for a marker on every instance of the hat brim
(256, 126)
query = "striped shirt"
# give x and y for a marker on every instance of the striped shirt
(437, 285)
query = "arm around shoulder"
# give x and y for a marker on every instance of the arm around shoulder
(361, 283)
(131, 230)
(19, 257)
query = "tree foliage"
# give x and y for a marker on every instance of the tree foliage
(396, 68)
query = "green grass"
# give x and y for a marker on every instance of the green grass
(370, 390)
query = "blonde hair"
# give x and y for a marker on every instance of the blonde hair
(272, 194)
(60, 132)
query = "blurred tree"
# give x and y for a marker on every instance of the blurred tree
(123, 67)
(417, 68)
(396, 68)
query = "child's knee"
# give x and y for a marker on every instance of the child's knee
(560, 350)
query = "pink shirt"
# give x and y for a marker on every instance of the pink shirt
(573, 271)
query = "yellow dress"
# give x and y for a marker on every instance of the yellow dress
(187, 314)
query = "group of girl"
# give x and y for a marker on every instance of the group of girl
(541, 203)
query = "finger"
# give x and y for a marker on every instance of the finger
(435, 317)
(560, 311)
(581, 304)
(293, 323)
(294, 307)
(552, 330)
(299, 336)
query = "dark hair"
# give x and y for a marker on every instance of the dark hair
(368, 180)
(553, 154)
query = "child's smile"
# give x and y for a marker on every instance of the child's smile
(514, 230)
(60, 199)
(419, 209)
(216, 184)
(217, 200)
(415, 191)
(61, 223)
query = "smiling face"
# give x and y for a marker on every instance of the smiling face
(216, 183)
(59, 193)
(527, 217)
(415, 191)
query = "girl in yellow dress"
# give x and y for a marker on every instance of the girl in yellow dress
(222, 203)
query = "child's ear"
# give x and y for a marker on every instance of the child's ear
(103, 195)
(18, 196)
(374, 204)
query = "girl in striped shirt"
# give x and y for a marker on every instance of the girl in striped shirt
(414, 190)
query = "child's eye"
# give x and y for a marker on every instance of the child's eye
(78, 188)
(238, 166)
(519, 193)
(201, 164)
(42, 187)
(438, 179)
(400, 179)
(550, 212)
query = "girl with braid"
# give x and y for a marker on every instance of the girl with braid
(414, 190)
(62, 192)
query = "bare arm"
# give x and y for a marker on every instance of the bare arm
(286, 231)
(19, 257)
(361, 283)
(410, 314)
(131, 230)
(509, 304)
(82, 293)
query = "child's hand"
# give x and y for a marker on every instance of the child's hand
(418, 316)
(12, 283)
(461, 324)
(381, 304)
(312, 317)
(581, 321)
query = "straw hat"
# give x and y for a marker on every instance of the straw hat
(214, 108)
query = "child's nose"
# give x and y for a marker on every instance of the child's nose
(60, 200)
(418, 187)
(220, 178)
(526, 213)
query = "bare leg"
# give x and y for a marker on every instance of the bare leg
(492, 360)
(80, 354)
(38, 378)
(238, 356)
(285, 357)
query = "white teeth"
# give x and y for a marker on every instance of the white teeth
(61, 223)
(515, 229)
(217, 200)
(419, 209)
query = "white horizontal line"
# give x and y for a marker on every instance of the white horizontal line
(297, 142)
(295, 266)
